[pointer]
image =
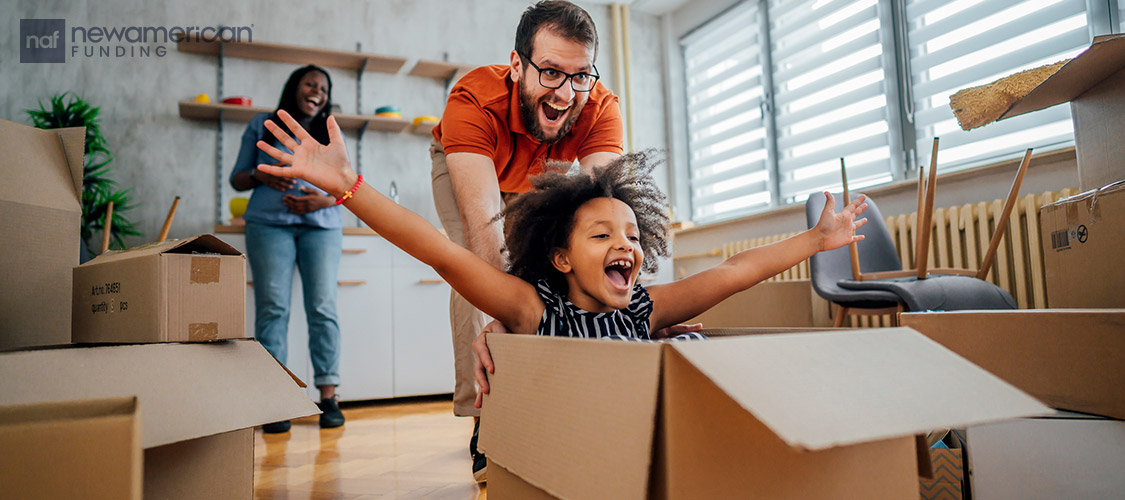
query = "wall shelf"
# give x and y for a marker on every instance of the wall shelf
(439, 70)
(211, 112)
(276, 52)
(423, 128)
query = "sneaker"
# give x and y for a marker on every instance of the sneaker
(331, 415)
(276, 427)
(480, 462)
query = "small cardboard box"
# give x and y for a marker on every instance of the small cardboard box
(1082, 239)
(807, 415)
(1069, 456)
(1071, 359)
(1094, 84)
(186, 290)
(73, 449)
(39, 197)
(786, 303)
(949, 475)
(200, 400)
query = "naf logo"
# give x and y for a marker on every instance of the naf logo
(42, 40)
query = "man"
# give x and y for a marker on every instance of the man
(501, 125)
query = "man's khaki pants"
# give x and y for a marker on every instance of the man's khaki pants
(465, 320)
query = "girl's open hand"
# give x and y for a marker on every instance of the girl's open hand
(835, 230)
(326, 167)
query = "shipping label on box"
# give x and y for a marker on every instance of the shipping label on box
(1083, 238)
(186, 290)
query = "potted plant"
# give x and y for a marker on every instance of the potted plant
(97, 188)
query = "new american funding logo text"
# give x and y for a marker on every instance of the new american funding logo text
(49, 40)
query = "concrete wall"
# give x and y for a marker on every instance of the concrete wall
(160, 155)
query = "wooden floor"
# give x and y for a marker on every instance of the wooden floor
(413, 449)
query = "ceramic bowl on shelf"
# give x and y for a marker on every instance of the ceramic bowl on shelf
(238, 101)
(389, 111)
(238, 206)
(203, 99)
(418, 120)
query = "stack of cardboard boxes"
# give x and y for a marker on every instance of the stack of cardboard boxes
(1071, 359)
(130, 411)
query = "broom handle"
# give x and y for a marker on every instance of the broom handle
(108, 227)
(168, 220)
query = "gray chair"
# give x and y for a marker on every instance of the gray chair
(832, 276)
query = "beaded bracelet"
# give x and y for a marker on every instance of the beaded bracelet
(351, 191)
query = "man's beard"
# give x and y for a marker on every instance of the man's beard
(529, 111)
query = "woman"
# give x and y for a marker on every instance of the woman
(291, 223)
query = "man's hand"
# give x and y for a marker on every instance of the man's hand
(482, 359)
(672, 331)
(310, 202)
(835, 230)
(273, 181)
(326, 167)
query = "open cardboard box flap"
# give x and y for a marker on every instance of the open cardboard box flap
(43, 186)
(1105, 57)
(821, 390)
(40, 202)
(186, 391)
(815, 391)
(204, 243)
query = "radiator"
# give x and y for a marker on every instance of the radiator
(960, 237)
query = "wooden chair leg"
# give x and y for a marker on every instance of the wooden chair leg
(841, 313)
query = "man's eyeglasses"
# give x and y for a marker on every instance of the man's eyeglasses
(552, 78)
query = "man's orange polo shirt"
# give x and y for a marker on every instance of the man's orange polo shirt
(483, 117)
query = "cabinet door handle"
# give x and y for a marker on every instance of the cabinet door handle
(347, 251)
(431, 282)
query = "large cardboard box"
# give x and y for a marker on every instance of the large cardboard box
(200, 403)
(1070, 359)
(1082, 239)
(807, 415)
(790, 303)
(186, 290)
(39, 200)
(1094, 84)
(1069, 456)
(73, 449)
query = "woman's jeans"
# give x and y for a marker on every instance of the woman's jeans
(273, 251)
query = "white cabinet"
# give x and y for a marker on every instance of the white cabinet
(394, 323)
(423, 347)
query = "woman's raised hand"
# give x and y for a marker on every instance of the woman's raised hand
(838, 229)
(326, 167)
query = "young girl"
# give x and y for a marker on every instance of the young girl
(577, 245)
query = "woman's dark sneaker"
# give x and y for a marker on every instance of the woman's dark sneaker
(331, 416)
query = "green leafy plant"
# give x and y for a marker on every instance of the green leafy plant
(66, 110)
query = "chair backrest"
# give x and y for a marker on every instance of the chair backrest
(876, 252)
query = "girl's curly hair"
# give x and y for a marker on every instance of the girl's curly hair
(540, 221)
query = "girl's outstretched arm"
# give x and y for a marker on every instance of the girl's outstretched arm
(507, 298)
(682, 300)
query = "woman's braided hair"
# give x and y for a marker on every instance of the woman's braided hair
(539, 222)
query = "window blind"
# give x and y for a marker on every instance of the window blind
(965, 43)
(830, 97)
(726, 143)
